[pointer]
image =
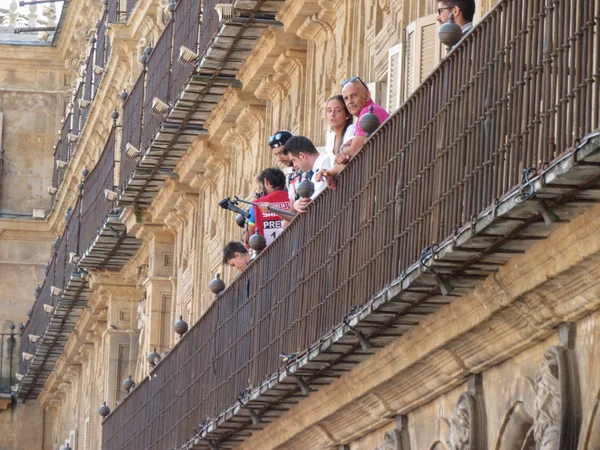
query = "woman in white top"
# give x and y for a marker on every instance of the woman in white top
(340, 121)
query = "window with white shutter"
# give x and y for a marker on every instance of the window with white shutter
(423, 51)
(394, 93)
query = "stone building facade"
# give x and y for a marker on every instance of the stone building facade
(507, 361)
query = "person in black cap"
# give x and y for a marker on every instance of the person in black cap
(293, 177)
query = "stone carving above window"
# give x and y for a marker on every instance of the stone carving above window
(557, 418)
(467, 425)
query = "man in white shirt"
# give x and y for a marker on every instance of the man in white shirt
(306, 158)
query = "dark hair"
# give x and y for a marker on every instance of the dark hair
(299, 144)
(467, 7)
(274, 176)
(349, 118)
(231, 249)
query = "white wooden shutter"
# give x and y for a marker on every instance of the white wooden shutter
(410, 50)
(394, 91)
(423, 51)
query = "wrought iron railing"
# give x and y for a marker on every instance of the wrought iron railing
(185, 33)
(8, 356)
(102, 50)
(39, 317)
(76, 114)
(88, 89)
(73, 231)
(157, 84)
(130, 6)
(514, 94)
(114, 13)
(96, 202)
(132, 129)
(210, 22)
(61, 153)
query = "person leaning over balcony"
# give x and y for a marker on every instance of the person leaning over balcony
(267, 223)
(358, 100)
(306, 158)
(341, 122)
(463, 11)
(276, 142)
(236, 255)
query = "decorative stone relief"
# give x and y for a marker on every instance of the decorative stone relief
(384, 5)
(557, 418)
(398, 438)
(467, 426)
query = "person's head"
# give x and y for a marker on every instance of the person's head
(463, 11)
(356, 95)
(236, 255)
(302, 152)
(276, 142)
(271, 180)
(338, 116)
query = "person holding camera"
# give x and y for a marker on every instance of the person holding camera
(266, 222)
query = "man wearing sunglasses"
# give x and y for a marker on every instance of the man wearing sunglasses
(358, 100)
(463, 11)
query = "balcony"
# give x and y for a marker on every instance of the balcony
(493, 152)
(80, 104)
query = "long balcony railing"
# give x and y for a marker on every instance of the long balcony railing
(63, 293)
(95, 203)
(185, 33)
(39, 317)
(158, 80)
(62, 153)
(81, 101)
(132, 129)
(102, 50)
(514, 94)
(210, 22)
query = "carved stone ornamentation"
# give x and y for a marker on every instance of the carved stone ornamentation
(467, 425)
(557, 418)
(391, 441)
(398, 438)
(384, 5)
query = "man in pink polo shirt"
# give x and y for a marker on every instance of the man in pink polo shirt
(358, 99)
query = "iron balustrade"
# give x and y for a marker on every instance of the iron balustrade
(62, 152)
(60, 276)
(157, 83)
(73, 231)
(130, 5)
(132, 129)
(39, 319)
(102, 51)
(185, 33)
(114, 13)
(76, 114)
(210, 22)
(94, 204)
(8, 355)
(519, 89)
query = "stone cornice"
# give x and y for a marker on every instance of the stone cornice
(293, 13)
(171, 191)
(510, 311)
(157, 233)
(259, 64)
(193, 161)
